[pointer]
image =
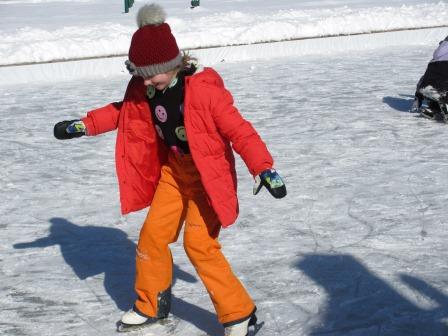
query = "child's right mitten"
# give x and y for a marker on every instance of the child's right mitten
(69, 129)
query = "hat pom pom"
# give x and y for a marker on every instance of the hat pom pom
(152, 14)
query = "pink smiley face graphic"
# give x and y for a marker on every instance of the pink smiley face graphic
(161, 113)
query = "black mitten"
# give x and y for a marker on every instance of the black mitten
(69, 129)
(272, 181)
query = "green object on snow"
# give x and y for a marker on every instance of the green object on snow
(194, 3)
(128, 4)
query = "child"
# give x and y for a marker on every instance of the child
(431, 97)
(176, 129)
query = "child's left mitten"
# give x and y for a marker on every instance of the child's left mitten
(270, 179)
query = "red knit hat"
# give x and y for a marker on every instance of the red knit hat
(153, 47)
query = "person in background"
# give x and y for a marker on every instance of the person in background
(177, 125)
(431, 96)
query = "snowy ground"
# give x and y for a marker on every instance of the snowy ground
(47, 30)
(358, 247)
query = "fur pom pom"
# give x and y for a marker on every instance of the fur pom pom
(152, 14)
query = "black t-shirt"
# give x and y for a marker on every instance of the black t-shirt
(167, 109)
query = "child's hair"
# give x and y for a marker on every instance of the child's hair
(188, 60)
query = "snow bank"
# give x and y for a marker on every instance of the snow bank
(210, 29)
(60, 71)
(243, 28)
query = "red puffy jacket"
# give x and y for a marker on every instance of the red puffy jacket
(212, 124)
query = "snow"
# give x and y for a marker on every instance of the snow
(83, 30)
(59, 32)
(357, 248)
(107, 67)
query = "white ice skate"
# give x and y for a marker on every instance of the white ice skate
(132, 317)
(132, 320)
(241, 328)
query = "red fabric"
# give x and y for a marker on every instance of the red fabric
(153, 44)
(213, 127)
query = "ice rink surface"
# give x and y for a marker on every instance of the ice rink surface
(357, 248)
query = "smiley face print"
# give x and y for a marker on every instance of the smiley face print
(161, 113)
(180, 133)
(150, 91)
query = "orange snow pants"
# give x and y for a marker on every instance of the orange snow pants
(180, 197)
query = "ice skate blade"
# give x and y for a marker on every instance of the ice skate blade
(123, 327)
(255, 328)
(163, 325)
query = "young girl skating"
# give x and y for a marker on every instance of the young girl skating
(176, 128)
